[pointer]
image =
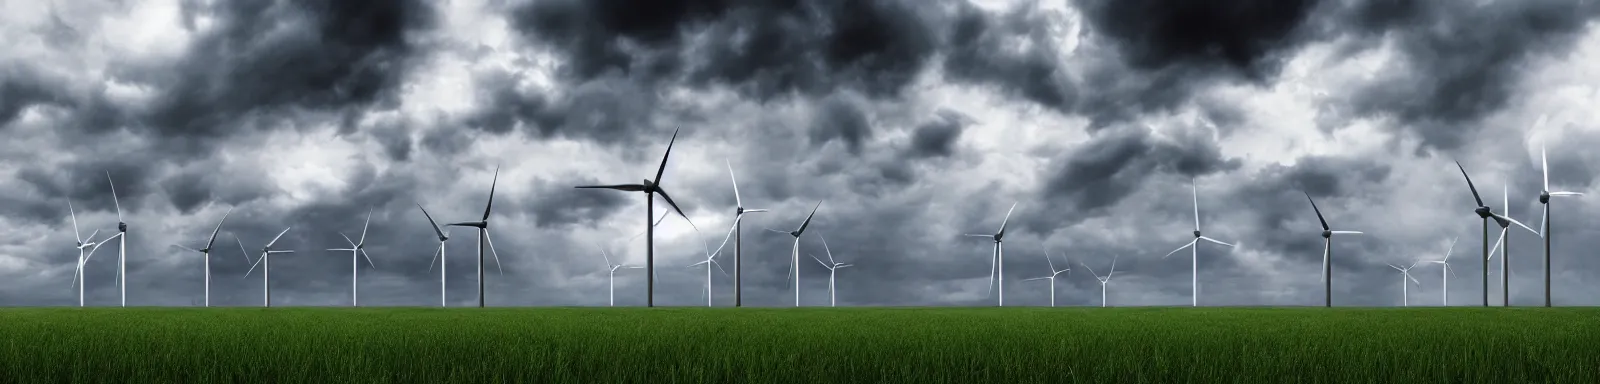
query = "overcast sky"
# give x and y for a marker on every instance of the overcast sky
(913, 122)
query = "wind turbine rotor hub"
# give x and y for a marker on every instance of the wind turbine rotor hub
(1327, 233)
(1196, 233)
(1544, 197)
(122, 227)
(1483, 212)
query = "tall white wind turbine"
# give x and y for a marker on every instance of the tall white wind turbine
(83, 243)
(1053, 273)
(611, 275)
(1544, 223)
(266, 276)
(794, 251)
(483, 236)
(443, 234)
(1103, 280)
(1405, 273)
(1327, 249)
(833, 269)
(1485, 213)
(1446, 272)
(1193, 246)
(997, 258)
(1502, 246)
(206, 251)
(357, 248)
(122, 243)
(737, 233)
(650, 189)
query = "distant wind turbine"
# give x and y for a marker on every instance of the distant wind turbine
(1544, 223)
(1053, 273)
(650, 188)
(1485, 213)
(1446, 272)
(794, 252)
(611, 272)
(483, 236)
(1103, 280)
(357, 247)
(207, 252)
(1193, 246)
(1502, 245)
(1327, 247)
(833, 269)
(266, 276)
(737, 233)
(122, 244)
(997, 258)
(1406, 274)
(83, 243)
(443, 234)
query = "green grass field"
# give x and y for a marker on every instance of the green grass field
(812, 345)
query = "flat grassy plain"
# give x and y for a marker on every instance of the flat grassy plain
(805, 345)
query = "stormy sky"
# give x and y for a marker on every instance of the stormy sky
(913, 122)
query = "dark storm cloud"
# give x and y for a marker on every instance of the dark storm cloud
(937, 138)
(977, 53)
(840, 117)
(1461, 63)
(271, 58)
(1103, 171)
(763, 49)
(1248, 37)
(557, 205)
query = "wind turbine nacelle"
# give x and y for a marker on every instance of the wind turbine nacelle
(1544, 197)
(1327, 234)
(122, 227)
(1483, 212)
(1197, 233)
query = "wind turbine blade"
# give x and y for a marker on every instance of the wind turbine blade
(492, 184)
(1544, 218)
(978, 235)
(719, 267)
(103, 242)
(1395, 267)
(668, 198)
(369, 222)
(1051, 262)
(1319, 211)
(702, 262)
(1451, 249)
(77, 235)
(213, 239)
(275, 238)
(604, 255)
(819, 261)
(1544, 167)
(736, 200)
(1326, 245)
(75, 273)
(729, 235)
(1475, 196)
(187, 248)
(843, 266)
(807, 223)
(433, 224)
(288, 251)
(1519, 224)
(994, 262)
(1008, 218)
(1194, 192)
(1347, 232)
(1413, 280)
(1497, 243)
(341, 249)
(774, 230)
(1186, 245)
(114, 199)
(1091, 270)
(496, 254)
(1113, 268)
(347, 240)
(1215, 241)
(241, 249)
(253, 266)
(369, 258)
(1551, 194)
(825, 248)
(663, 168)
(1037, 278)
(619, 187)
(435, 257)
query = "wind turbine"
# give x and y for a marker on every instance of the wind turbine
(833, 268)
(1484, 214)
(483, 235)
(737, 233)
(1103, 280)
(611, 271)
(650, 188)
(1052, 277)
(794, 252)
(266, 271)
(1406, 274)
(444, 234)
(1194, 253)
(122, 243)
(710, 260)
(207, 252)
(1502, 246)
(1544, 223)
(82, 243)
(997, 258)
(357, 247)
(1327, 246)
(1446, 272)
